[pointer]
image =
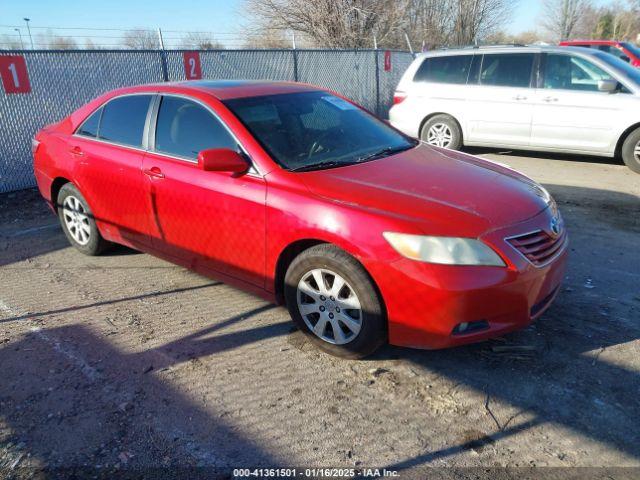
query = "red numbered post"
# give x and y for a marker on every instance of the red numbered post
(387, 61)
(14, 74)
(192, 69)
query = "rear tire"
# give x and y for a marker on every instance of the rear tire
(442, 131)
(78, 222)
(631, 151)
(343, 316)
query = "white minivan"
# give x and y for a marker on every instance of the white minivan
(556, 99)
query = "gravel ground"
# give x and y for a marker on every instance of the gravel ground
(124, 363)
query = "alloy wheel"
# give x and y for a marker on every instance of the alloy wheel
(76, 220)
(439, 135)
(329, 306)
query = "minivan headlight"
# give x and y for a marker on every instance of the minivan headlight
(444, 250)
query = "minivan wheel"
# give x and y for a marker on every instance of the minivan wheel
(631, 151)
(78, 222)
(334, 302)
(442, 131)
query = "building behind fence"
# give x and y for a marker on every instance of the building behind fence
(62, 81)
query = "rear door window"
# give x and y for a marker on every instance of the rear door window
(90, 126)
(507, 69)
(446, 69)
(123, 120)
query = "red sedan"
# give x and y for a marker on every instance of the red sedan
(303, 197)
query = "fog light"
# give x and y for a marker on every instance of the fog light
(465, 328)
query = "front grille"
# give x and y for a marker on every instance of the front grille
(539, 247)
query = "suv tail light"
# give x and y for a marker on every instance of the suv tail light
(398, 97)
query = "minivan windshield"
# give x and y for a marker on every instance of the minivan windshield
(316, 130)
(632, 73)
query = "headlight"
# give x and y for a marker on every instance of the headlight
(443, 250)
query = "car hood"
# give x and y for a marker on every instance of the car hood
(446, 191)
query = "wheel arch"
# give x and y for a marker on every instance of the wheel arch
(294, 249)
(56, 185)
(618, 150)
(431, 115)
(285, 258)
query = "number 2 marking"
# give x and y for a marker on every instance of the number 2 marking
(14, 74)
(192, 66)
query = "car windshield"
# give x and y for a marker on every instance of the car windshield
(632, 73)
(316, 130)
(632, 48)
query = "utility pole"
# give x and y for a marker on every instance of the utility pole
(20, 35)
(27, 20)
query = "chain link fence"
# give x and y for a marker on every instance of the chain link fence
(62, 81)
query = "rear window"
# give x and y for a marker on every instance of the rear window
(507, 70)
(447, 69)
(90, 126)
(123, 120)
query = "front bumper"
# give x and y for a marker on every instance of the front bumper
(426, 302)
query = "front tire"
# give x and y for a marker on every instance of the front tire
(78, 222)
(631, 151)
(332, 299)
(442, 131)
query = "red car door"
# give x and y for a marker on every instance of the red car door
(209, 220)
(108, 158)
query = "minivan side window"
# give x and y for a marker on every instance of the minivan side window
(89, 127)
(507, 69)
(446, 69)
(184, 128)
(123, 120)
(566, 72)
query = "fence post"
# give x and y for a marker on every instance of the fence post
(295, 57)
(163, 57)
(377, 67)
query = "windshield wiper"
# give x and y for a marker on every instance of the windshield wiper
(320, 165)
(384, 152)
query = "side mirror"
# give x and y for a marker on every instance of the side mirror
(222, 160)
(607, 85)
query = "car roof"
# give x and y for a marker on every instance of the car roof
(502, 49)
(589, 42)
(223, 89)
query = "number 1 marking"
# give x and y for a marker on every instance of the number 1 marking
(14, 74)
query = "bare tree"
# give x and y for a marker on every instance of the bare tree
(267, 38)
(476, 19)
(333, 23)
(560, 17)
(200, 40)
(62, 43)
(141, 39)
(354, 23)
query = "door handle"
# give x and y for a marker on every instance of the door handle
(549, 99)
(519, 97)
(153, 172)
(76, 151)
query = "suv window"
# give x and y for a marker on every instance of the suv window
(185, 128)
(447, 69)
(572, 73)
(89, 127)
(123, 119)
(507, 69)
